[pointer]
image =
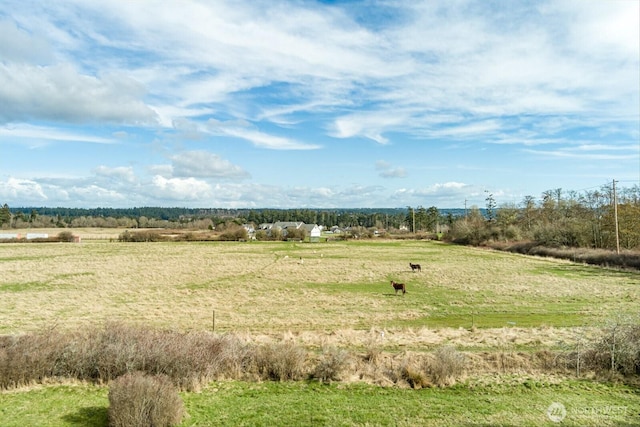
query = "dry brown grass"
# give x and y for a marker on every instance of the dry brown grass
(338, 295)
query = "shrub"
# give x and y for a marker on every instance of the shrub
(234, 234)
(447, 365)
(280, 361)
(233, 359)
(136, 399)
(332, 361)
(618, 350)
(65, 236)
(103, 354)
(295, 234)
(29, 358)
(601, 257)
(261, 235)
(140, 236)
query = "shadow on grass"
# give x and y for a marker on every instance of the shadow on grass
(97, 416)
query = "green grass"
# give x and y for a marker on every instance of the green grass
(511, 400)
(24, 286)
(60, 405)
(446, 307)
(58, 281)
(585, 271)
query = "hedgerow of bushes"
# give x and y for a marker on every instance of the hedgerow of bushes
(192, 359)
(600, 257)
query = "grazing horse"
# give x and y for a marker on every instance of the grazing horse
(415, 267)
(399, 287)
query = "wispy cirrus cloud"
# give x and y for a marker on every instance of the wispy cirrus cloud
(590, 152)
(36, 134)
(243, 130)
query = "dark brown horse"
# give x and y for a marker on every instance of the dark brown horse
(399, 287)
(415, 267)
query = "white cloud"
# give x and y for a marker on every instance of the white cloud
(243, 130)
(205, 58)
(203, 164)
(26, 189)
(324, 192)
(33, 134)
(122, 173)
(271, 142)
(60, 93)
(166, 171)
(95, 194)
(570, 153)
(446, 194)
(386, 170)
(609, 28)
(180, 189)
(23, 46)
(369, 124)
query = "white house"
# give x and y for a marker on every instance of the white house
(313, 231)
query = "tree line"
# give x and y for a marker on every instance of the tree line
(558, 218)
(167, 217)
(591, 219)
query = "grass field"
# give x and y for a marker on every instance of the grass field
(515, 401)
(276, 287)
(335, 293)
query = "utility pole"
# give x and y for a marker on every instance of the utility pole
(615, 215)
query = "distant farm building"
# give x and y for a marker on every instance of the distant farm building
(9, 236)
(31, 236)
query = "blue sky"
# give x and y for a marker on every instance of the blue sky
(309, 104)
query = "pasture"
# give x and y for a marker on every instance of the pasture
(281, 287)
(335, 293)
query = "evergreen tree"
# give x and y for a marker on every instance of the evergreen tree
(5, 215)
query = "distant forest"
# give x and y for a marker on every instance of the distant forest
(163, 217)
(601, 218)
